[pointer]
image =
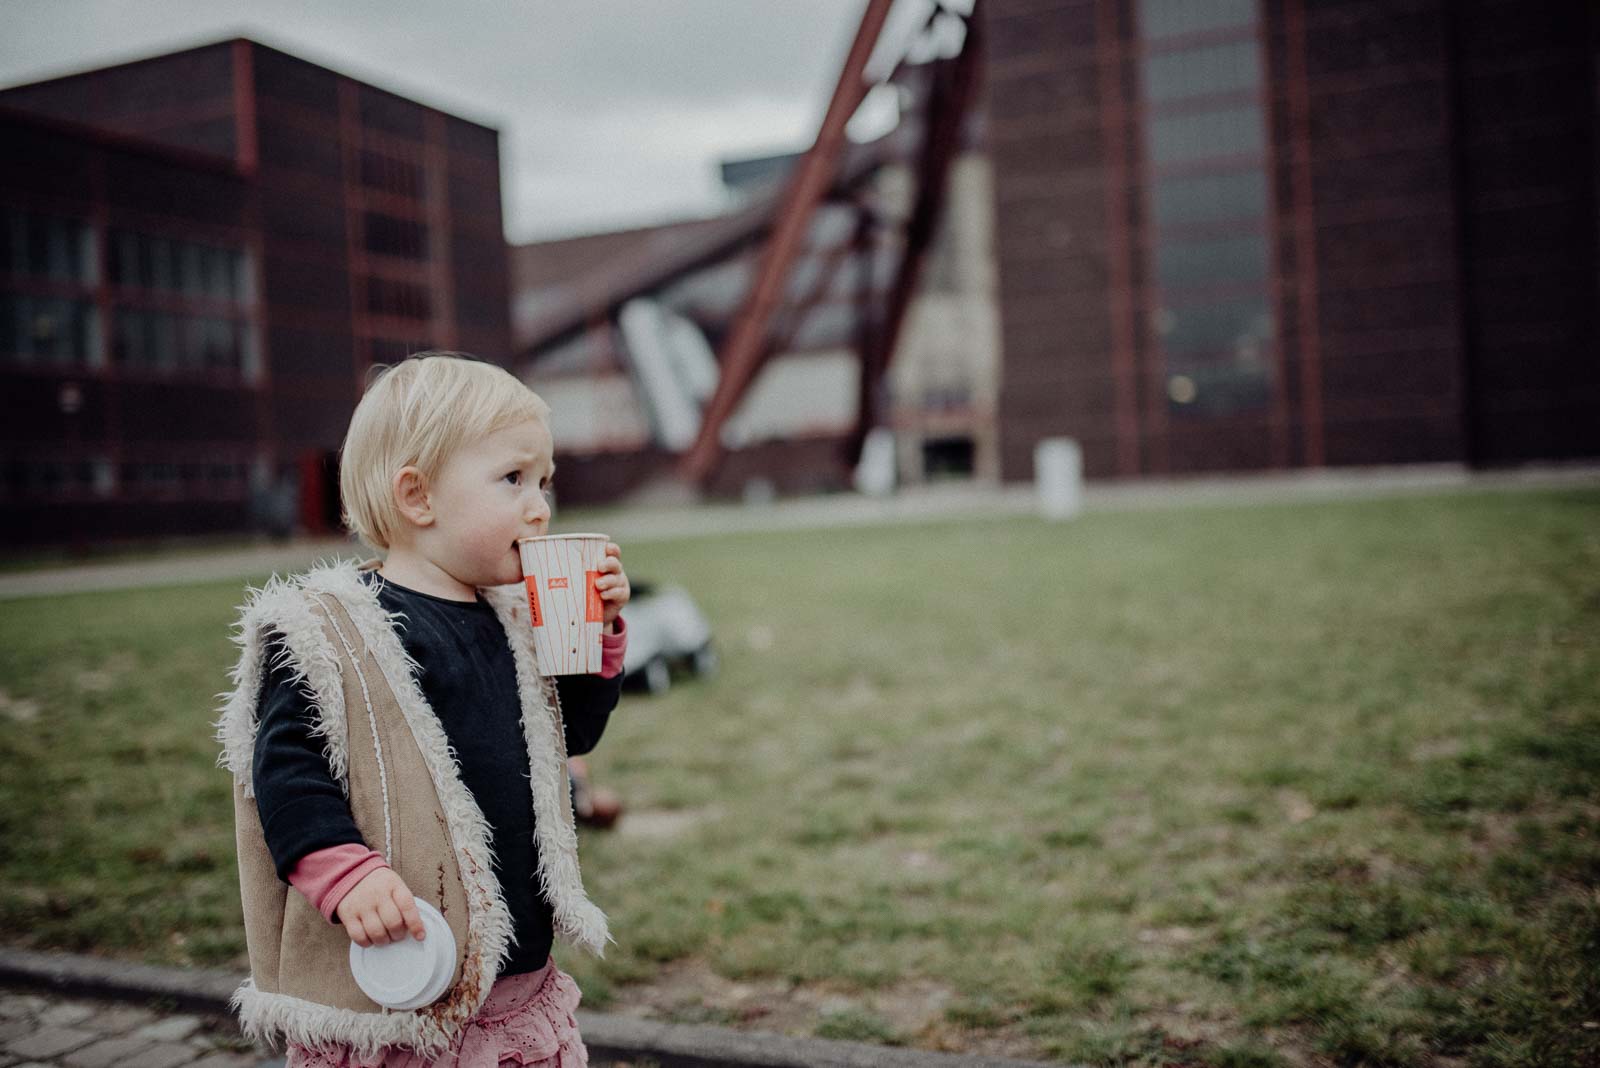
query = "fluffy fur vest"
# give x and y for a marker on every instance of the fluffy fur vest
(391, 758)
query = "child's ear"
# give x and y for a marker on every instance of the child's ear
(411, 496)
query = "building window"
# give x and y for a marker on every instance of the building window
(1174, 18)
(47, 247)
(1197, 136)
(48, 331)
(187, 479)
(390, 174)
(401, 300)
(183, 268)
(181, 306)
(1229, 68)
(48, 271)
(1209, 198)
(1201, 77)
(388, 235)
(166, 342)
(54, 478)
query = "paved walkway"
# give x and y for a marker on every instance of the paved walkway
(949, 501)
(39, 1030)
(48, 1030)
(42, 1028)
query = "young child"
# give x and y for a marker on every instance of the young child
(391, 739)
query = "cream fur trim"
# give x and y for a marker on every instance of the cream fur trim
(577, 919)
(268, 1017)
(280, 605)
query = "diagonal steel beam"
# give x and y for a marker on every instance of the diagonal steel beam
(788, 327)
(954, 84)
(744, 350)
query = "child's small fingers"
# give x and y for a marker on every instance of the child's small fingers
(613, 549)
(409, 913)
(376, 935)
(394, 925)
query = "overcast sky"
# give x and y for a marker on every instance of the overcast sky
(612, 113)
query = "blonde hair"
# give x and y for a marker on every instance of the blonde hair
(418, 413)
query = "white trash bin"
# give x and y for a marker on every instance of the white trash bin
(1058, 475)
(874, 474)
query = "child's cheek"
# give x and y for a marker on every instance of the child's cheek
(490, 547)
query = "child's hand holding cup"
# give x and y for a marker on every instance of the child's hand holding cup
(576, 589)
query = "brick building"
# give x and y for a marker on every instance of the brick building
(1254, 234)
(202, 254)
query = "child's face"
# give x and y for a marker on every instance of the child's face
(485, 497)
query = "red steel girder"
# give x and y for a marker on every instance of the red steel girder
(744, 349)
(953, 87)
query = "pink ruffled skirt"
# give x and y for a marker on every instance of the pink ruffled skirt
(527, 1020)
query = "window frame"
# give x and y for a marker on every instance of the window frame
(1169, 368)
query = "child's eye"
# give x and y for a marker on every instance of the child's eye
(514, 477)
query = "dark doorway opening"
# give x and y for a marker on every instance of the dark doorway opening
(319, 492)
(947, 458)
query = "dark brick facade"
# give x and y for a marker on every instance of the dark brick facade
(1431, 225)
(206, 251)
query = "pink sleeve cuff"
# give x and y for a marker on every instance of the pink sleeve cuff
(324, 877)
(612, 646)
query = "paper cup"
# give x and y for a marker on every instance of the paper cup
(559, 571)
(408, 974)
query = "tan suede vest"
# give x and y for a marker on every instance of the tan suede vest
(390, 754)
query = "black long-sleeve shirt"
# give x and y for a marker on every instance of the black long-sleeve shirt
(468, 676)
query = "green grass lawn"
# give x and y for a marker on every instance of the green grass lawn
(1309, 784)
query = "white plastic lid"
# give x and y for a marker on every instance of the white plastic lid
(408, 974)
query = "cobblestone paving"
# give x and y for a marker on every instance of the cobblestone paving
(49, 1031)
